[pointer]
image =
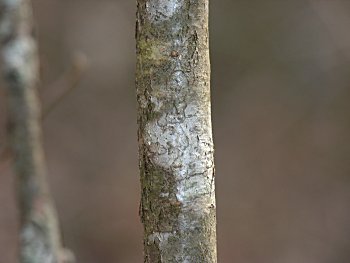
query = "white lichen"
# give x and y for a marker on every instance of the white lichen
(160, 10)
(11, 3)
(181, 143)
(34, 245)
(19, 56)
(160, 237)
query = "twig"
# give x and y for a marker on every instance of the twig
(56, 93)
(40, 240)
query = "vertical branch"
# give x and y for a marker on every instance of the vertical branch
(39, 234)
(175, 136)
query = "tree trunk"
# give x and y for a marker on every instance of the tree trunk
(39, 235)
(175, 135)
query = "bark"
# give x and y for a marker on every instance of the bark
(39, 235)
(175, 135)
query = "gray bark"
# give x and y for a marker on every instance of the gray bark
(39, 235)
(175, 135)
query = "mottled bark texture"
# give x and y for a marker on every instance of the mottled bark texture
(175, 133)
(39, 234)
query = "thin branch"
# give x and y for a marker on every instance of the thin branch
(40, 240)
(56, 93)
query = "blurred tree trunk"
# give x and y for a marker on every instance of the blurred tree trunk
(39, 235)
(175, 134)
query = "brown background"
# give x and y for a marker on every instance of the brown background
(280, 94)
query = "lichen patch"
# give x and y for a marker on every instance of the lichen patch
(160, 10)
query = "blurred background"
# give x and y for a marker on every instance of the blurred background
(281, 119)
